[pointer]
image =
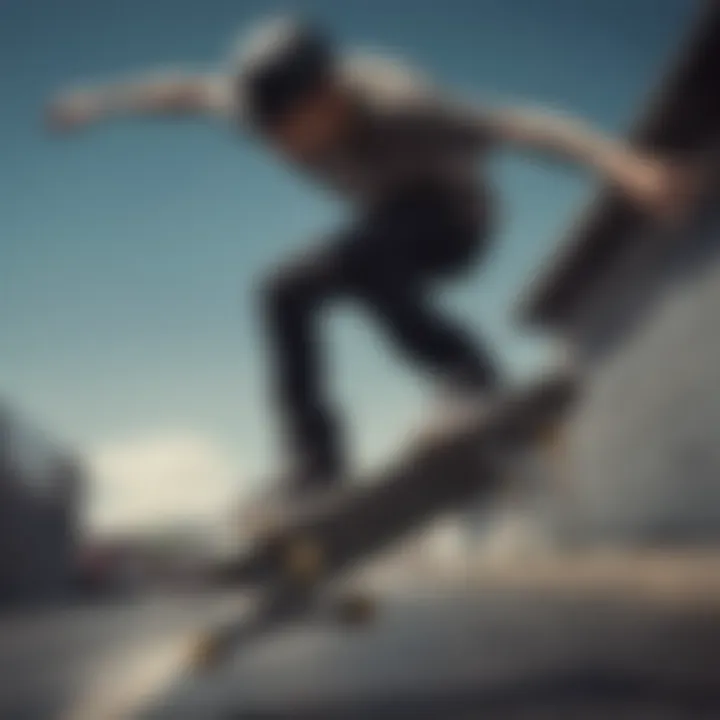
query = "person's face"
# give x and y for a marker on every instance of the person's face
(314, 126)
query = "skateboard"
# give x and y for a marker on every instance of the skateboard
(290, 563)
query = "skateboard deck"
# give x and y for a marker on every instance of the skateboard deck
(438, 473)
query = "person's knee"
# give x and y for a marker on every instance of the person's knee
(285, 293)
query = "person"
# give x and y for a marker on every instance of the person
(409, 158)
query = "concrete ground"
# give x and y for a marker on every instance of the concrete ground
(585, 637)
(589, 636)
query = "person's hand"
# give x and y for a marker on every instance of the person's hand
(664, 189)
(70, 112)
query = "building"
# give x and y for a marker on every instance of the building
(40, 488)
(640, 311)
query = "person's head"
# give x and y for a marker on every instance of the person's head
(286, 81)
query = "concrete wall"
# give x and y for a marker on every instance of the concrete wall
(644, 450)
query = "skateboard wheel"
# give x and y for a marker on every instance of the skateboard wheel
(356, 609)
(303, 560)
(550, 437)
(207, 651)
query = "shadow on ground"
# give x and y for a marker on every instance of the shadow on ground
(590, 695)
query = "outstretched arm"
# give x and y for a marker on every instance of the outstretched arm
(166, 95)
(660, 187)
(657, 186)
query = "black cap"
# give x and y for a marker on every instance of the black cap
(281, 62)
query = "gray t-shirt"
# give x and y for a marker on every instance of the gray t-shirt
(412, 133)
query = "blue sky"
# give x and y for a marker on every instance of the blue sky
(128, 255)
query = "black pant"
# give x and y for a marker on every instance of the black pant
(388, 262)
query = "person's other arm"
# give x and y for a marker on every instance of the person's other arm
(168, 95)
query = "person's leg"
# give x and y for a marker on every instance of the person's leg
(393, 262)
(386, 262)
(430, 339)
(293, 298)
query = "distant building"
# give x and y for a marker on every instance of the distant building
(40, 488)
(640, 311)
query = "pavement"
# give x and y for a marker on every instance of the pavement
(61, 662)
(587, 636)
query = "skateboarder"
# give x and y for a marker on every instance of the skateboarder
(409, 158)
